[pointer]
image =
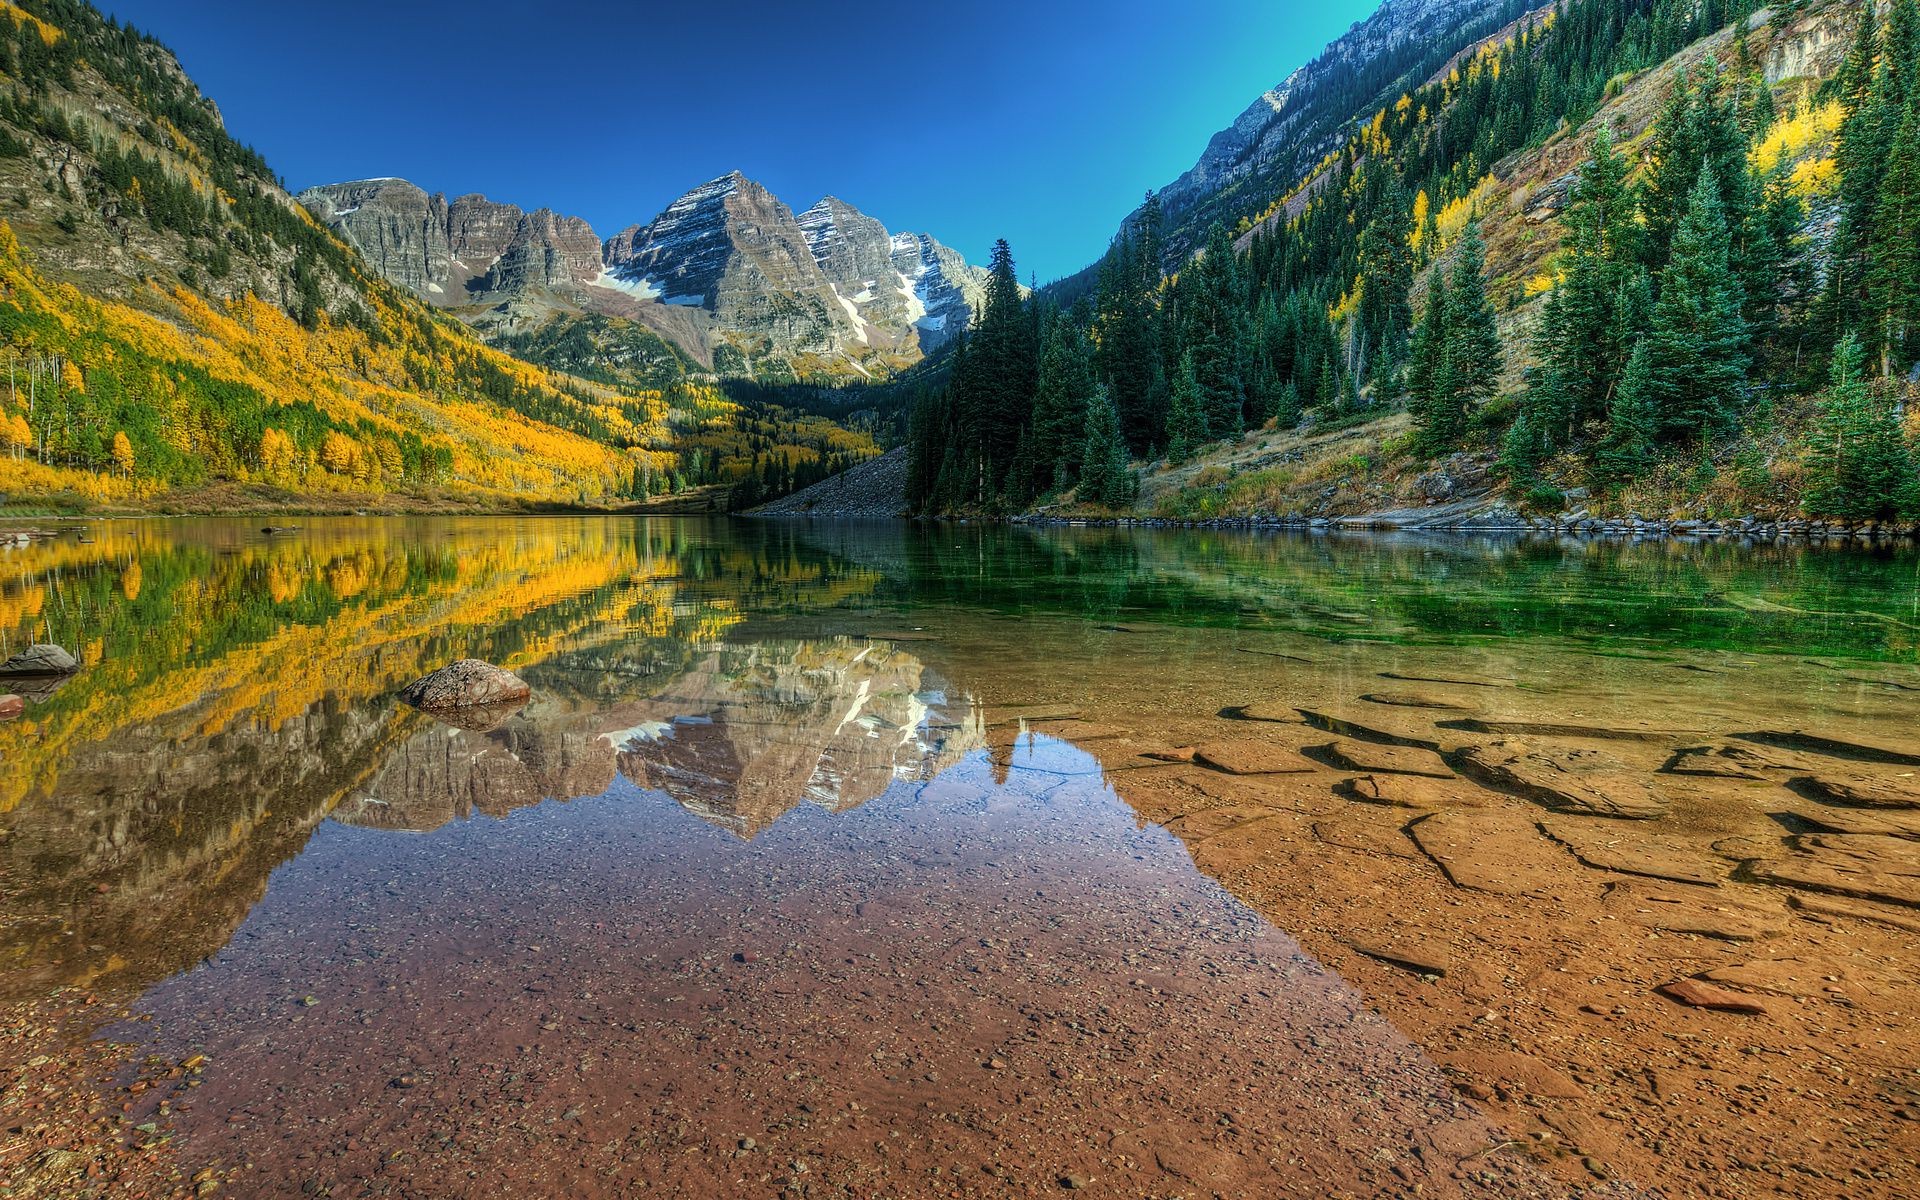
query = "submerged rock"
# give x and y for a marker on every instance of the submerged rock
(1570, 780)
(1695, 994)
(1387, 760)
(11, 707)
(40, 660)
(468, 683)
(1864, 866)
(1862, 791)
(1240, 756)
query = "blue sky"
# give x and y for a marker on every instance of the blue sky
(1041, 121)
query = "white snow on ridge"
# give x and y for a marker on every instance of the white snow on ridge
(853, 314)
(640, 287)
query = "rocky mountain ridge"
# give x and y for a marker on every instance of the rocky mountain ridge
(727, 273)
(1279, 137)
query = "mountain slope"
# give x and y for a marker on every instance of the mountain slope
(1275, 141)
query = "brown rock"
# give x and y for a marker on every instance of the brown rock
(1353, 831)
(1273, 714)
(1614, 846)
(1568, 729)
(1697, 994)
(468, 683)
(1179, 754)
(1810, 743)
(1881, 822)
(1572, 779)
(1862, 866)
(1734, 762)
(1392, 760)
(1400, 949)
(1413, 700)
(1514, 1072)
(1501, 851)
(1827, 906)
(1417, 792)
(11, 707)
(1382, 727)
(1901, 791)
(1244, 756)
(1798, 977)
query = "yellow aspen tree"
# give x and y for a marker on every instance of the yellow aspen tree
(123, 453)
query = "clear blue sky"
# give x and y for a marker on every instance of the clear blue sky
(1042, 121)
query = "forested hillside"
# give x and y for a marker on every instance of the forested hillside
(170, 318)
(1664, 251)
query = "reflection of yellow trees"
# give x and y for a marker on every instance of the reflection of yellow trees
(517, 593)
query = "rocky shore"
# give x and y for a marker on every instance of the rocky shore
(1506, 519)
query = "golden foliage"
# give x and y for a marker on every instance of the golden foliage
(1792, 138)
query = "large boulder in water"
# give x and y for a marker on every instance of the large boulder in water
(468, 683)
(40, 660)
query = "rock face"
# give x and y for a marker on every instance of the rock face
(468, 683)
(726, 272)
(947, 290)
(469, 250)
(40, 660)
(731, 248)
(399, 229)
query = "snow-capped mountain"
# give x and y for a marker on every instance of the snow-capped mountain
(726, 271)
(904, 285)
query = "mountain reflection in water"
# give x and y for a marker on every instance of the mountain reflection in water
(739, 738)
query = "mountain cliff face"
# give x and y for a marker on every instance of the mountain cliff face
(903, 284)
(727, 274)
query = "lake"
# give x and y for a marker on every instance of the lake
(888, 860)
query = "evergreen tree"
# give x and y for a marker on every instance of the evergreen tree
(1893, 272)
(1429, 387)
(1104, 477)
(1696, 345)
(1385, 314)
(1060, 408)
(1474, 356)
(1859, 466)
(1633, 425)
(1587, 332)
(1187, 416)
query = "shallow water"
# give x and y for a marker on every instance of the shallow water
(827, 860)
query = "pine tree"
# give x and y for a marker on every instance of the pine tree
(1585, 333)
(1474, 356)
(1104, 477)
(1859, 465)
(1893, 272)
(1429, 389)
(1060, 408)
(1187, 417)
(1633, 426)
(1696, 345)
(1385, 315)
